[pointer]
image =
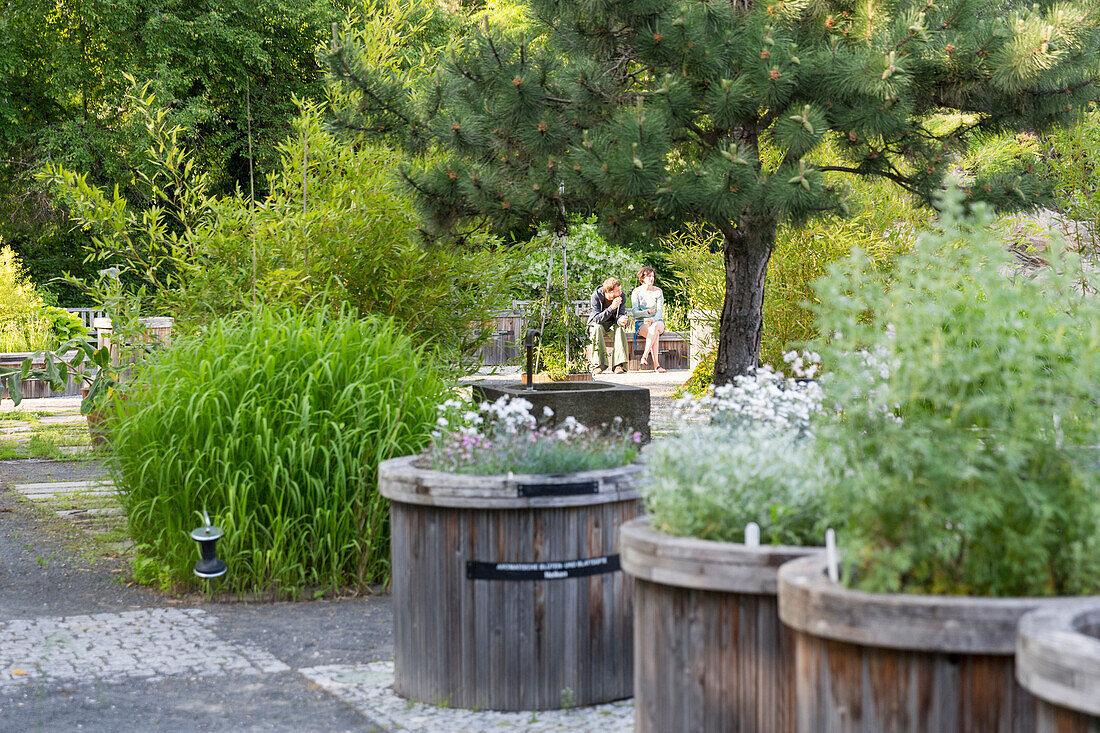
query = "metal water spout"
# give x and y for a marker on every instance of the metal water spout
(529, 342)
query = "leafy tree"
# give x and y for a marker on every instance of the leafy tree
(218, 66)
(338, 226)
(660, 112)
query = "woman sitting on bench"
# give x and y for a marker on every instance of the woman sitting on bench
(647, 302)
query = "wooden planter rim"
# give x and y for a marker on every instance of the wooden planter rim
(1058, 659)
(688, 562)
(399, 479)
(810, 603)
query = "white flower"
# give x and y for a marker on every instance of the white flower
(546, 411)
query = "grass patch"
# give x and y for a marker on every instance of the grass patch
(42, 447)
(11, 452)
(30, 416)
(88, 542)
(65, 434)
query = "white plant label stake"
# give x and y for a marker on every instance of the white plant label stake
(832, 560)
(752, 534)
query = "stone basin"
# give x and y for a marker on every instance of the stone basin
(593, 403)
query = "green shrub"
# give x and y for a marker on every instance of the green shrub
(590, 258)
(754, 459)
(22, 327)
(354, 241)
(275, 425)
(710, 481)
(970, 416)
(64, 326)
(1072, 166)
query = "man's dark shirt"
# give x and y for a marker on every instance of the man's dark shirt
(602, 312)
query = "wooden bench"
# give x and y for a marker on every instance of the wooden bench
(506, 345)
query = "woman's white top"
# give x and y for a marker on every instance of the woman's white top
(642, 300)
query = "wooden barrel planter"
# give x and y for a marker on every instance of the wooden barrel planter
(709, 651)
(1058, 661)
(903, 662)
(507, 593)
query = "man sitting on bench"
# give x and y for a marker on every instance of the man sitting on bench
(608, 314)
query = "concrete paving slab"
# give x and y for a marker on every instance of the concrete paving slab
(41, 491)
(115, 647)
(43, 404)
(108, 511)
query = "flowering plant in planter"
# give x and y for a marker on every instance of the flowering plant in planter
(967, 409)
(504, 436)
(747, 455)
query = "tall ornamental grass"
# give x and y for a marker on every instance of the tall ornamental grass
(275, 425)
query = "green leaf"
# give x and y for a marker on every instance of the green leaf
(53, 376)
(89, 403)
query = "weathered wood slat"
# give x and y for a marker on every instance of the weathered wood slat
(710, 653)
(1058, 661)
(1056, 719)
(400, 479)
(873, 662)
(952, 624)
(508, 644)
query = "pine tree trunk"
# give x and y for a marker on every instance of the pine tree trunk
(748, 246)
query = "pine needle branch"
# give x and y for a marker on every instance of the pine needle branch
(367, 90)
(892, 175)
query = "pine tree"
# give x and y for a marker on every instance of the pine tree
(659, 112)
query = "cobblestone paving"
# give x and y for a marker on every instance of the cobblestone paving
(114, 647)
(154, 644)
(369, 688)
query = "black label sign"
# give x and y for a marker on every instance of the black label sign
(542, 570)
(571, 489)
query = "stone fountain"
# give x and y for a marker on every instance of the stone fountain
(593, 403)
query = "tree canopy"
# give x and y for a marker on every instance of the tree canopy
(210, 63)
(654, 113)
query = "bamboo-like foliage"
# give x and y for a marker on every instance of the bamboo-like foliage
(275, 425)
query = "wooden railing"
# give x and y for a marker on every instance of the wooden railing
(88, 316)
